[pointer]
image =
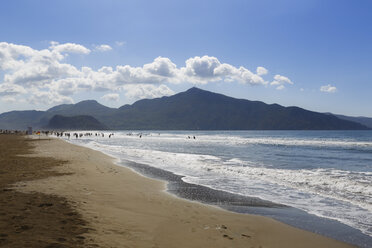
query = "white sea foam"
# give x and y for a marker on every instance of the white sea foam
(238, 140)
(344, 185)
(317, 142)
(328, 192)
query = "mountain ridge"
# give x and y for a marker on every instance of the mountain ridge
(366, 121)
(194, 109)
(198, 109)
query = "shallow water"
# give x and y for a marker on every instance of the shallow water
(325, 173)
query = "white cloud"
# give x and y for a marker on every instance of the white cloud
(68, 48)
(202, 67)
(11, 90)
(48, 97)
(65, 86)
(202, 70)
(113, 97)
(103, 48)
(12, 56)
(46, 76)
(261, 71)
(280, 80)
(140, 91)
(280, 87)
(162, 67)
(328, 88)
(28, 67)
(8, 99)
(120, 43)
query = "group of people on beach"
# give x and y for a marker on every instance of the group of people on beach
(11, 131)
(80, 135)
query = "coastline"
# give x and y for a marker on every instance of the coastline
(252, 205)
(129, 210)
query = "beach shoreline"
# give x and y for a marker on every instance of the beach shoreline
(177, 187)
(129, 210)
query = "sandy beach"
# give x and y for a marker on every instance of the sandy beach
(33, 219)
(120, 208)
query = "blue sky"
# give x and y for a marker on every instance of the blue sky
(317, 54)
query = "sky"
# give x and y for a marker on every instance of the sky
(308, 53)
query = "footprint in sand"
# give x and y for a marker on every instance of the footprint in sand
(245, 235)
(228, 237)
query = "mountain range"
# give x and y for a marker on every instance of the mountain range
(194, 109)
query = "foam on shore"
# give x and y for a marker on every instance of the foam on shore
(126, 209)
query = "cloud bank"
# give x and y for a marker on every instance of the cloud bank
(43, 76)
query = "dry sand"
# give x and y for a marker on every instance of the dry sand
(126, 209)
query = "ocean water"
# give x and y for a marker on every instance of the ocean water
(325, 173)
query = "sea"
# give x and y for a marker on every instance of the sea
(324, 175)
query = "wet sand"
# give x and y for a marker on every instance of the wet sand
(120, 208)
(253, 205)
(34, 219)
